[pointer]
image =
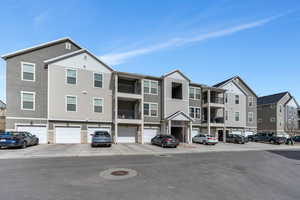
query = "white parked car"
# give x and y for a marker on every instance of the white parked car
(205, 139)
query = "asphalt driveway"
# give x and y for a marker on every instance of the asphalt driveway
(80, 150)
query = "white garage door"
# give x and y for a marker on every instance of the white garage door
(67, 135)
(39, 131)
(126, 134)
(91, 130)
(237, 132)
(195, 132)
(150, 133)
(247, 133)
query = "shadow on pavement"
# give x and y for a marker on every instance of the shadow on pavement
(291, 154)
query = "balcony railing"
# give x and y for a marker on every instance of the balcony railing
(127, 88)
(128, 114)
(216, 120)
(218, 100)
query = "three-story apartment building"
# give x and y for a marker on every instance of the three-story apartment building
(277, 113)
(240, 106)
(63, 93)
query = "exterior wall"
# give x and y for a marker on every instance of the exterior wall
(150, 98)
(265, 113)
(12, 123)
(2, 119)
(281, 116)
(14, 84)
(84, 91)
(174, 105)
(196, 103)
(291, 117)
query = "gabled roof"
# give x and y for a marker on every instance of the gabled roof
(74, 53)
(43, 45)
(172, 116)
(176, 71)
(233, 78)
(274, 98)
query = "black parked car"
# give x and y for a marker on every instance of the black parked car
(101, 138)
(234, 138)
(165, 141)
(296, 138)
(269, 137)
(17, 139)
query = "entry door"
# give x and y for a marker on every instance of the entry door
(38, 131)
(67, 135)
(92, 130)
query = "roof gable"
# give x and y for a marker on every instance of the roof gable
(176, 74)
(232, 87)
(274, 98)
(180, 116)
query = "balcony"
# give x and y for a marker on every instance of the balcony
(129, 112)
(129, 88)
(216, 117)
(216, 99)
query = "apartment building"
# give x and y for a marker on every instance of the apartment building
(277, 113)
(2, 115)
(62, 93)
(240, 107)
(298, 119)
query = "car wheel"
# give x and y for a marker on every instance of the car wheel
(24, 145)
(37, 142)
(109, 145)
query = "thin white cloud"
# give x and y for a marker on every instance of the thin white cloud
(39, 19)
(119, 58)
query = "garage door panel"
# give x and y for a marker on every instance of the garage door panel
(39, 131)
(150, 133)
(91, 130)
(195, 132)
(67, 135)
(126, 134)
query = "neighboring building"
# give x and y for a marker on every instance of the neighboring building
(63, 93)
(298, 119)
(2, 115)
(277, 113)
(240, 106)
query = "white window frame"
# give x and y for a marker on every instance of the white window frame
(194, 94)
(237, 97)
(149, 115)
(66, 76)
(22, 70)
(22, 108)
(66, 103)
(252, 114)
(259, 120)
(272, 119)
(68, 45)
(226, 115)
(150, 86)
(194, 117)
(99, 98)
(250, 100)
(94, 79)
(236, 115)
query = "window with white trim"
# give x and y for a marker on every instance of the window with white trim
(71, 102)
(28, 71)
(27, 100)
(259, 120)
(68, 45)
(150, 109)
(150, 87)
(226, 115)
(71, 76)
(237, 99)
(195, 112)
(250, 117)
(272, 119)
(195, 93)
(250, 101)
(237, 116)
(98, 105)
(98, 80)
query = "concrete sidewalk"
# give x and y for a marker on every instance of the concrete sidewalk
(81, 150)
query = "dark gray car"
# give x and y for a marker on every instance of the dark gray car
(101, 138)
(17, 139)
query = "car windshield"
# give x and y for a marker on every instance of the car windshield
(101, 133)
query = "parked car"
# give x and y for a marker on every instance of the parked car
(165, 141)
(296, 138)
(270, 138)
(17, 139)
(101, 138)
(205, 139)
(235, 138)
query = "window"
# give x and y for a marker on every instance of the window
(226, 115)
(176, 90)
(151, 109)
(98, 80)
(150, 87)
(68, 45)
(250, 117)
(272, 119)
(71, 103)
(28, 71)
(237, 99)
(195, 112)
(259, 120)
(71, 76)
(226, 98)
(98, 105)
(280, 108)
(237, 116)
(195, 93)
(250, 101)
(272, 106)
(27, 100)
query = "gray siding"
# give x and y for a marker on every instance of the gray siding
(149, 98)
(196, 103)
(265, 113)
(14, 84)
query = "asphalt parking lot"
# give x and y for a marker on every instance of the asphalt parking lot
(247, 175)
(81, 150)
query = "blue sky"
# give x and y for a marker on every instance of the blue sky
(209, 40)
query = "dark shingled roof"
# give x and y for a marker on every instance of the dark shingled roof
(221, 83)
(274, 98)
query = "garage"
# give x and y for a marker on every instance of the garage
(67, 135)
(237, 132)
(149, 133)
(126, 134)
(247, 133)
(39, 131)
(195, 131)
(92, 130)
